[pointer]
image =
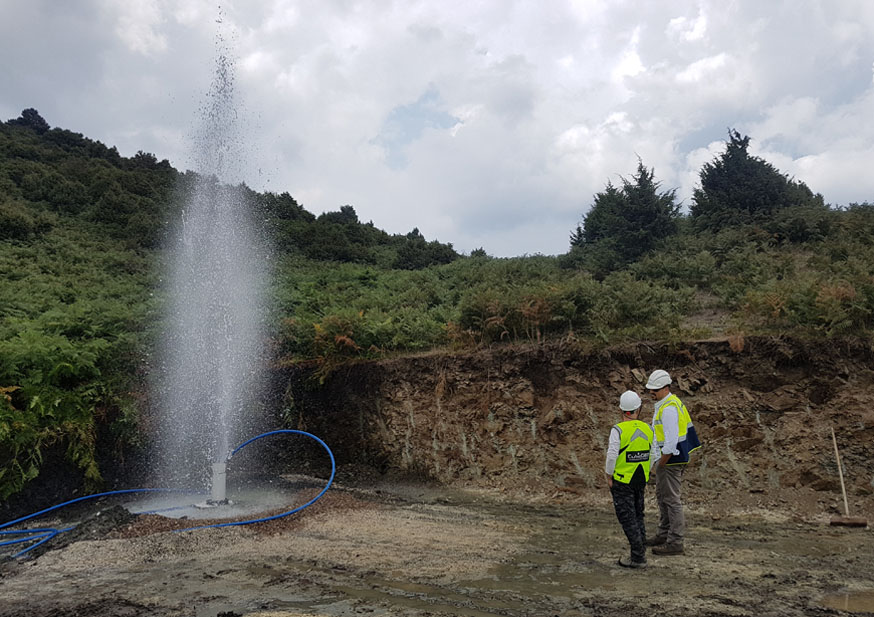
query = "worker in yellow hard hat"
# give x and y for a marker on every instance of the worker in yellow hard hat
(627, 469)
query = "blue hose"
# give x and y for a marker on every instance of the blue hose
(44, 535)
(95, 496)
(299, 508)
(32, 535)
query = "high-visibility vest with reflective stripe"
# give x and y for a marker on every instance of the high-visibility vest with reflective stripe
(687, 441)
(635, 442)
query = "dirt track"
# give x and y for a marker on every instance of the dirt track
(407, 549)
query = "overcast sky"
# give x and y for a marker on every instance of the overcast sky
(484, 123)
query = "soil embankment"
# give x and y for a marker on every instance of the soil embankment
(534, 421)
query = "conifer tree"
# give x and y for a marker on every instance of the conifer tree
(625, 223)
(737, 188)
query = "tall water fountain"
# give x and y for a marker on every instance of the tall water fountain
(213, 353)
(213, 350)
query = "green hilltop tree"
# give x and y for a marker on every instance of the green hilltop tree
(345, 216)
(624, 224)
(737, 188)
(32, 120)
(416, 253)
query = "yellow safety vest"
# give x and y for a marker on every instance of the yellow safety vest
(687, 441)
(635, 442)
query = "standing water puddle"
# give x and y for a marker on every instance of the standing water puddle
(242, 503)
(851, 601)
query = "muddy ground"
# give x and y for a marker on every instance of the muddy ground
(510, 514)
(400, 548)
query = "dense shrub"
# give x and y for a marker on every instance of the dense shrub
(800, 225)
(823, 306)
(16, 221)
(678, 268)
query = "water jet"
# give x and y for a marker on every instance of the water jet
(214, 346)
(213, 351)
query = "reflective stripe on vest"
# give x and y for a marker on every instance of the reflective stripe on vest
(687, 441)
(635, 442)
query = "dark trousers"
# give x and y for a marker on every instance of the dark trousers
(628, 502)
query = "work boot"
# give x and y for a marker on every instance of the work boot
(656, 541)
(626, 562)
(668, 549)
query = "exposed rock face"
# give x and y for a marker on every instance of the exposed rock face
(536, 418)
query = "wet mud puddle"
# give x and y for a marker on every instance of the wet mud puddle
(547, 571)
(851, 601)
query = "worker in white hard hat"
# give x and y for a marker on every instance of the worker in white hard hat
(676, 439)
(627, 469)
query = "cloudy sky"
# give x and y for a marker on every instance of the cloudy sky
(484, 123)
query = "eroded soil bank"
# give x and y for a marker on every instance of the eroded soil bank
(534, 421)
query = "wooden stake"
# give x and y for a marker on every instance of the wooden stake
(847, 520)
(840, 473)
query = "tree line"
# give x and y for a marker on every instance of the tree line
(737, 190)
(47, 172)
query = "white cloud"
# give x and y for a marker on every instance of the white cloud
(190, 12)
(548, 101)
(688, 29)
(138, 25)
(842, 177)
(629, 63)
(702, 69)
(259, 62)
(828, 149)
(283, 17)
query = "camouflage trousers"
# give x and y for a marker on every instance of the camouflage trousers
(628, 502)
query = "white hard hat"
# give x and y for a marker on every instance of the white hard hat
(629, 401)
(658, 380)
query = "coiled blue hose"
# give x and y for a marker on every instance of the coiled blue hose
(44, 535)
(299, 508)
